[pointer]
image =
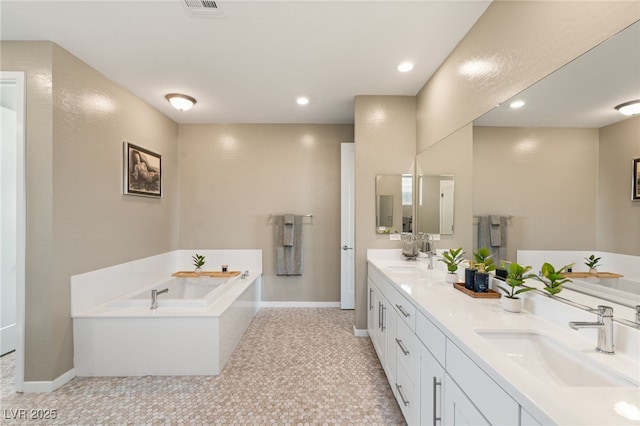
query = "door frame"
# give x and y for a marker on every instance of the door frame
(347, 224)
(21, 236)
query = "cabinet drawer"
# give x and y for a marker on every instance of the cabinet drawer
(407, 396)
(431, 337)
(403, 307)
(407, 351)
(492, 401)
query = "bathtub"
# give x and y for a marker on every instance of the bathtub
(194, 330)
(619, 290)
(183, 292)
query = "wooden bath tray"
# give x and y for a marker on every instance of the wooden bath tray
(589, 275)
(490, 294)
(217, 274)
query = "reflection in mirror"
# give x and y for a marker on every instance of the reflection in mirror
(568, 115)
(394, 204)
(435, 204)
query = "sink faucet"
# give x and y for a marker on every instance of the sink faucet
(427, 246)
(154, 297)
(604, 326)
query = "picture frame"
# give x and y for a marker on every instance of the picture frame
(142, 171)
(635, 185)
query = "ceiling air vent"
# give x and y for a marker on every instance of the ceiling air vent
(203, 7)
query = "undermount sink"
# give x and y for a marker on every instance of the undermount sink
(548, 359)
(403, 269)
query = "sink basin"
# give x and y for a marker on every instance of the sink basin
(403, 269)
(548, 359)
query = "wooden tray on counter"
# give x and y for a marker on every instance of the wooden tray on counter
(590, 275)
(193, 274)
(490, 294)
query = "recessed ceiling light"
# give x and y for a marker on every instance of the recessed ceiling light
(302, 100)
(405, 67)
(180, 102)
(629, 108)
(516, 104)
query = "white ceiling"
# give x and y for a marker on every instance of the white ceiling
(249, 64)
(581, 94)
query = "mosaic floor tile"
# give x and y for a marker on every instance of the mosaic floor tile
(293, 366)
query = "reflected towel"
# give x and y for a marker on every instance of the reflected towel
(495, 231)
(289, 259)
(484, 237)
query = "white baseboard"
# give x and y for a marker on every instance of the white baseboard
(44, 387)
(360, 332)
(300, 304)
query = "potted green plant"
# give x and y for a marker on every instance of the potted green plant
(470, 275)
(452, 259)
(553, 279)
(516, 276)
(592, 263)
(198, 262)
(484, 256)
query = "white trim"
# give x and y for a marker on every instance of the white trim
(45, 387)
(21, 215)
(300, 304)
(358, 332)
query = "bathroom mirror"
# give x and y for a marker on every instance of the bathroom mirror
(434, 204)
(561, 164)
(394, 204)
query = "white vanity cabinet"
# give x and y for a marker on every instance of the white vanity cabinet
(458, 409)
(382, 328)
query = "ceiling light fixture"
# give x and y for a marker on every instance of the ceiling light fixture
(629, 108)
(516, 104)
(180, 102)
(302, 100)
(405, 67)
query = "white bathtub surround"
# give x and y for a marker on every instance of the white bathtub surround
(470, 332)
(117, 334)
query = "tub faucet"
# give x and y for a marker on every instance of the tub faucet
(604, 326)
(154, 297)
(638, 314)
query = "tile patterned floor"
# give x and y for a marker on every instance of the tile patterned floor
(293, 366)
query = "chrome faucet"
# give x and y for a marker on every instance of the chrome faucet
(604, 326)
(429, 249)
(154, 297)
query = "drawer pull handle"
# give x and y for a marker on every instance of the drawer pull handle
(402, 347)
(380, 315)
(384, 308)
(404, 400)
(403, 311)
(436, 383)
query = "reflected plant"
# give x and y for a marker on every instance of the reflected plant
(553, 279)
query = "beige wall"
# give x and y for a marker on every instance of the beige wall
(385, 135)
(233, 176)
(77, 218)
(618, 216)
(524, 41)
(546, 178)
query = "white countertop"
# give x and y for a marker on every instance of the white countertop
(458, 316)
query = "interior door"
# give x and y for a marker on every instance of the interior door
(347, 226)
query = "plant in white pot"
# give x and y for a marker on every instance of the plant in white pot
(516, 276)
(553, 279)
(452, 259)
(592, 263)
(198, 262)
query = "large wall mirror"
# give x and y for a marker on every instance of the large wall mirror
(434, 203)
(394, 204)
(561, 164)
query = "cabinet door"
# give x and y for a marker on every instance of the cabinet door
(389, 320)
(431, 389)
(458, 409)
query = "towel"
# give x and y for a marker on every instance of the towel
(494, 232)
(289, 259)
(288, 231)
(485, 228)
